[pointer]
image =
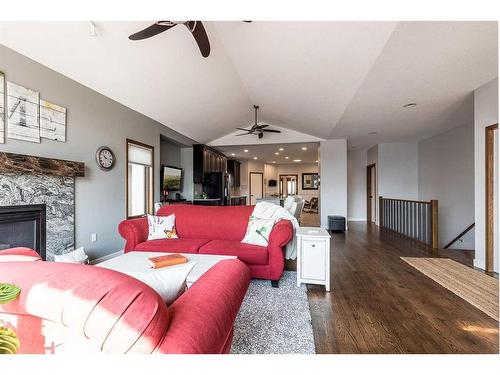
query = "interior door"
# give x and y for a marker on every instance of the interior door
(371, 193)
(256, 186)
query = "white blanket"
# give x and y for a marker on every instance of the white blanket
(266, 210)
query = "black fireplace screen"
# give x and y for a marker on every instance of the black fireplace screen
(23, 226)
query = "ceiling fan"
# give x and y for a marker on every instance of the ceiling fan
(256, 128)
(195, 28)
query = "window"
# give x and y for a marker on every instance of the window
(140, 169)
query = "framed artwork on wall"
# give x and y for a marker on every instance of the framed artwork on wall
(2, 108)
(310, 181)
(23, 113)
(52, 121)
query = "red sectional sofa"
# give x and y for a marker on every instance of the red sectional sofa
(214, 230)
(72, 308)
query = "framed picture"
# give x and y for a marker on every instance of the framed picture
(2, 108)
(310, 181)
(23, 113)
(52, 121)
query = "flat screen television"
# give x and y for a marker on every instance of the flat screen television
(171, 178)
(273, 183)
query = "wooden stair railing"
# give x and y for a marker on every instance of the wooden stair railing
(417, 220)
(460, 235)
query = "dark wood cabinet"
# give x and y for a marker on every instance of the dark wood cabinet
(207, 160)
(239, 201)
(234, 170)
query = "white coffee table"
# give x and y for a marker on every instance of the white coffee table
(136, 261)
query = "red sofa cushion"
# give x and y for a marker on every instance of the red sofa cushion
(177, 245)
(119, 314)
(212, 223)
(249, 254)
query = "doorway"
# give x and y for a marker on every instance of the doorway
(256, 187)
(491, 203)
(371, 193)
(288, 184)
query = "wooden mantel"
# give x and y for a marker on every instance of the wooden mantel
(16, 163)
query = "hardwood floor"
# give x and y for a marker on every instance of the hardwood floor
(380, 304)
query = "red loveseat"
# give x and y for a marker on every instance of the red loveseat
(214, 230)
(79, 309)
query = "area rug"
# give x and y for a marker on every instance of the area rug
(274, 320)
(477, 288)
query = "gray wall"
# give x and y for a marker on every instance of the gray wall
(356, 185)
(170, 153)
(178, 155)
(397, 170)
(93, 120)
(333, 172)
(485, 114)
(446, 173)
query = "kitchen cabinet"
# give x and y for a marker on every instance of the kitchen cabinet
(234, 170)
(207, 160)
(239, 201)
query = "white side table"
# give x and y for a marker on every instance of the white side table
(313, 256)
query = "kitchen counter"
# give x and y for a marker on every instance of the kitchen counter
(207, 201)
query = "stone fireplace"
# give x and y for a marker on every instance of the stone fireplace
(29, 181)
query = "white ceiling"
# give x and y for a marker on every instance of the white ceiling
(267, 152)
(324, 79)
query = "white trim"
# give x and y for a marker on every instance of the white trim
(356, 219)
(479, 263)
(106, 257)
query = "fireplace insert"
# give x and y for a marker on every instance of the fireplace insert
(25, 226)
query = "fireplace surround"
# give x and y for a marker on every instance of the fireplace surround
(24, 226)
(33, 181)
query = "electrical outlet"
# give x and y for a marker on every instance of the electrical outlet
(93, 237)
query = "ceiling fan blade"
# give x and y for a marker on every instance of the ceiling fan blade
(150, 31)
(200, 35)
(262, 126)
(239, 135)
(271, 131)
(246, 130)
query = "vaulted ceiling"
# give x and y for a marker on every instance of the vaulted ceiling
(324, 79)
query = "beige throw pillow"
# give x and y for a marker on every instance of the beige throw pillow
(258, 231)
(161, 227)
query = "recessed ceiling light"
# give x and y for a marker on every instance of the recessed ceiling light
(286, 157)
(317, 161)
(409, 105)
(233, 154)
(297, 160)
(274, 162)
(304, 148)
(372, 133)
(276, 153)
(245, 150)
(255, 157)
(281, 149)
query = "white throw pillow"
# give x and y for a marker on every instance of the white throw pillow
(287, 204)
(258, 231)
(169, 282)
(161, 227)
(75, 256)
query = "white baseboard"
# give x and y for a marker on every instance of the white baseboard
(106, 257)
(356, 219)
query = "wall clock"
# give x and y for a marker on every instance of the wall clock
(105, 158)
